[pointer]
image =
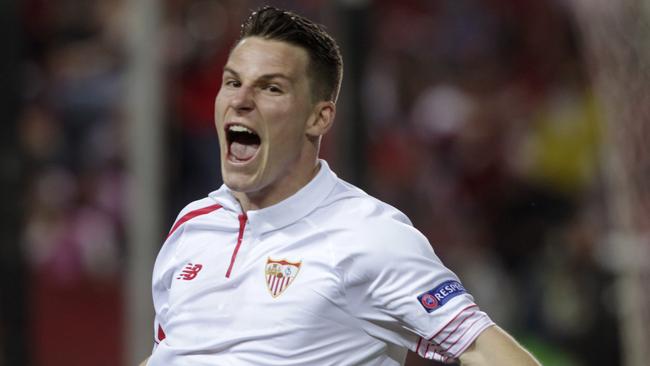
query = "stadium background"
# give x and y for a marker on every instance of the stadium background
(484, 121)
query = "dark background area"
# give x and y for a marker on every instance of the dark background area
(475, 118)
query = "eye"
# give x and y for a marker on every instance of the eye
(272, 88)
(234, 83)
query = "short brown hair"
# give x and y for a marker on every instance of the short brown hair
(325, 61)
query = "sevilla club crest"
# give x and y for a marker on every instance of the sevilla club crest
(280, 274)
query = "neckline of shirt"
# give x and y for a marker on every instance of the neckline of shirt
(287, 211)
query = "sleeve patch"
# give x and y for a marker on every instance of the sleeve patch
(440, 295)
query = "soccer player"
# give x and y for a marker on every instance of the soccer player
(286, 264)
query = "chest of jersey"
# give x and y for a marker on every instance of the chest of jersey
(282, 288)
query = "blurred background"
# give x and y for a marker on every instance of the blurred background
(514, 133)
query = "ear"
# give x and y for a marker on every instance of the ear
(322, 119)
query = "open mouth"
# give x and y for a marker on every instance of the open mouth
(243, 142)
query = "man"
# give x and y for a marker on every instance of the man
(286, 264)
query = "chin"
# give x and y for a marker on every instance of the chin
(239, 183)
(235, 184)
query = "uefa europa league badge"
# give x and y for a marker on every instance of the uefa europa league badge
(280, 274)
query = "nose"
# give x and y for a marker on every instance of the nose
(242, 100)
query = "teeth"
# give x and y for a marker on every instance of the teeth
(239, 128)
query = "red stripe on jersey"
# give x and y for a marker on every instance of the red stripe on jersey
(418, 347)
(242, 225)
(455, 329)
(429, 345)
(192, 214)
(462, 335)
(451, 321)
(161, 334)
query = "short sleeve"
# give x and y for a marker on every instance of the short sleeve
(163, 269)
(161, 282)
(394, 279)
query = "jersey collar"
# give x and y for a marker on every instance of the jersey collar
(288, 211)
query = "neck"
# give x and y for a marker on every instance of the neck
(273, 194)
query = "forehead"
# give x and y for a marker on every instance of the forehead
(256, 56)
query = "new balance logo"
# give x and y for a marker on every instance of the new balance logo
(189, 272)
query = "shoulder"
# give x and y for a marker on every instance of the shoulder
(369, 223)
(190, 211)
(193, 209)
(353, 203)
(198, 206)
(378, 253)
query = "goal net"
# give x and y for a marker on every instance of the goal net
(617, 39)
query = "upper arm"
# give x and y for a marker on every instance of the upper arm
(399, 280)
(496, 347)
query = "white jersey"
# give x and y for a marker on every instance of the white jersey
(329, 276)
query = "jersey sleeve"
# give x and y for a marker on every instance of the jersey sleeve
(395, 280)
(161, 283)
(163, 270)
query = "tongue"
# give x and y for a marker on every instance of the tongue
(241, 151)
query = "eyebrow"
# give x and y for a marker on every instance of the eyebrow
(263, 77)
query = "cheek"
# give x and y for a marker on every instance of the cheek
(221, 102)
(218, 106)
(287, 138)
(218, 117)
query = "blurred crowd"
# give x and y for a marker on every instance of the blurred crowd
(482, 127)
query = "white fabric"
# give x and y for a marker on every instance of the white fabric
(353, 300)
